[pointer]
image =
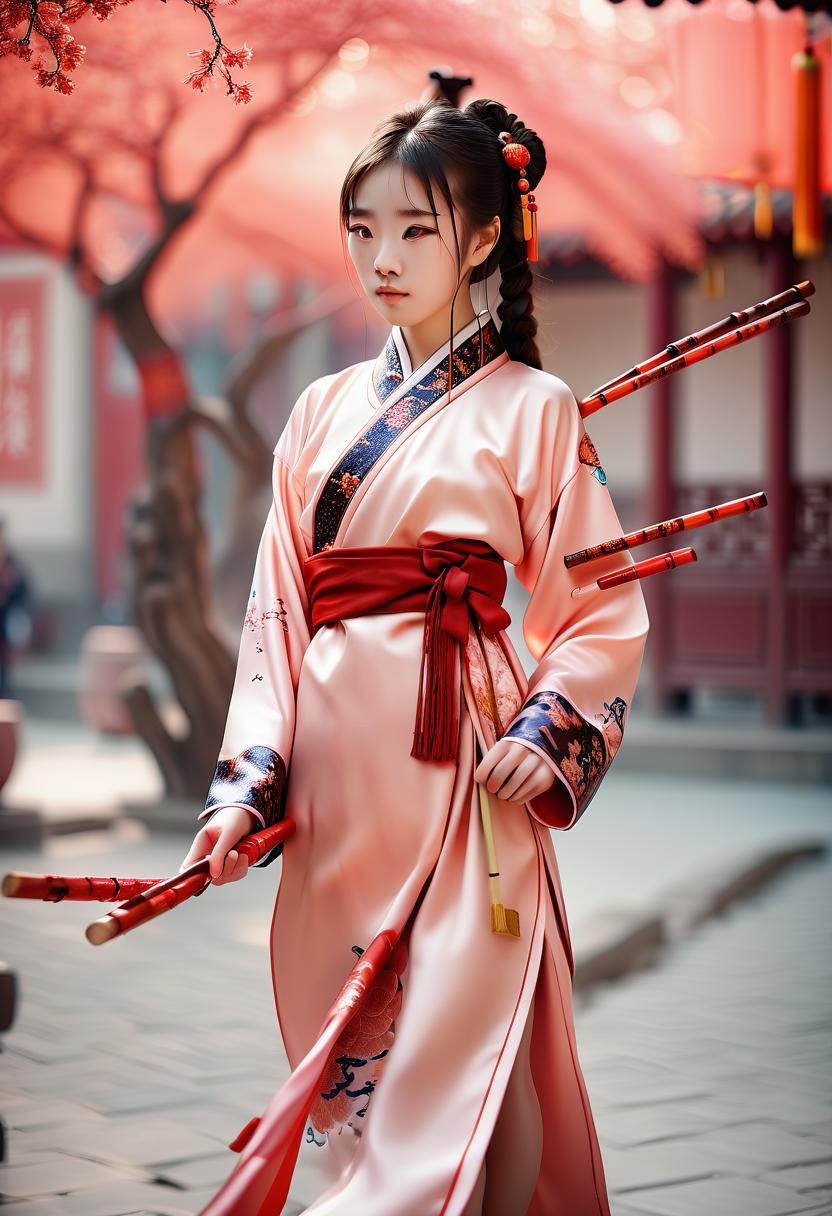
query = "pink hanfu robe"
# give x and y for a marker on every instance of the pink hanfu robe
(321, 727)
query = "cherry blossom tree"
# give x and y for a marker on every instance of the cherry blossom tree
(126, 116)
(45, 26)
(146, 189)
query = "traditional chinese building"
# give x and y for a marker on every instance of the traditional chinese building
(754, 616)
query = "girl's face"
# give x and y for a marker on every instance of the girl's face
(394, 240)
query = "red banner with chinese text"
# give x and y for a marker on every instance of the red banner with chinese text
(23, 303)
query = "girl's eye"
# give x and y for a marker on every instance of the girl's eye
(413, 228)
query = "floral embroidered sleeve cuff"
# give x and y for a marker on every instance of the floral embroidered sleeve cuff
(579, 752)
(254, 780)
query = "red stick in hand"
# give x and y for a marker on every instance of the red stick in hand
(53, 888)
(172, 891)
(146, 897)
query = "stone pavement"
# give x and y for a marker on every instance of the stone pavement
(130, 1066)
(711, 1074)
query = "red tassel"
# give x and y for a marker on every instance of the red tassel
(434, 736)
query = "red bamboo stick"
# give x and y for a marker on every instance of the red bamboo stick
(153, 901)
(650, 565)
(792, 295)
(269, 1144)
(148, 904)
(630, 384)
(668, 527)
(56, 887)
(53, 888)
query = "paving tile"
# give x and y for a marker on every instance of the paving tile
(645, 1125)
(820, 1127)
(721, 1110)
(35, 1207)
(722, 1197)
(206, 1171)
(150, 1142)
(654, 1164)
(624, 1209)
(23, 1113)
(803, 1177)
(106, 1096)
(766, 1145)
(676, 1089)
(190, 1202)
(785, 1105)
(125, 1197)
(51, 1176)
(51, 1139)
(215, 1118)
(26, 1158)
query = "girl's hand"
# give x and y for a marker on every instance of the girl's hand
(217, 839)
(513, 772)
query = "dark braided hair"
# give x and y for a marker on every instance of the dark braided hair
(516, 309)
(460, 152)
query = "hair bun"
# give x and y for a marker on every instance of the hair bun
(497, 118)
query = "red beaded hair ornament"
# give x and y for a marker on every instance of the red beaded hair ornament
(517, 156)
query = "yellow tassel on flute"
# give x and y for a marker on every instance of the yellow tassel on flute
(807, 227)
(503, 920)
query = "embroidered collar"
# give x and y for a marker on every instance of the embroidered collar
(412, 392)
(476, 344)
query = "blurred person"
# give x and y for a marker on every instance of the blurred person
(15, 612)
(402, 486)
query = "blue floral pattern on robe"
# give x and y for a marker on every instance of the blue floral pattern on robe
(582, 752)
(256, 778)
(344, 479)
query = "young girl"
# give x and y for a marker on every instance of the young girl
(376, 691)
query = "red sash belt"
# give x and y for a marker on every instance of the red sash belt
(448, 582)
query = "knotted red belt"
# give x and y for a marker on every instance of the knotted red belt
(448, 582)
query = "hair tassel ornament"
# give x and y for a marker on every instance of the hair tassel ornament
(517, 156)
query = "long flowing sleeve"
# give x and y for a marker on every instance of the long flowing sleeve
(256, 748)
(588, 647)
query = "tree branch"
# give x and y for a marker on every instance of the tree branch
(259, 120)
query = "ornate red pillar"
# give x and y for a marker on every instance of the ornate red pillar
(777, 353)
(662, 329)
